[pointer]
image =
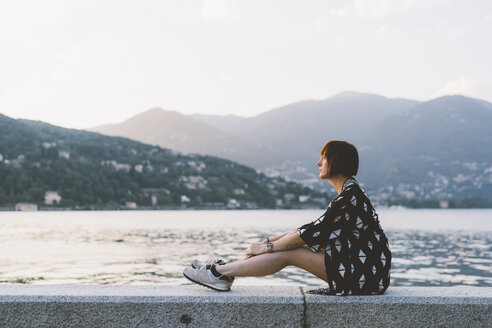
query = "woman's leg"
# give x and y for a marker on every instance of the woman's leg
(269, 263)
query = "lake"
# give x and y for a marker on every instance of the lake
(430, 247)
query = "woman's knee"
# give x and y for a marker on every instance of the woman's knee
(291, 257)
(282, 257)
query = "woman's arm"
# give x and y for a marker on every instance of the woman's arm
(277, 237)
(290, 240)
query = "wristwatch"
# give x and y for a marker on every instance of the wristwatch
(269, 247)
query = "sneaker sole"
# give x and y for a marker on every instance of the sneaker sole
(205, 285)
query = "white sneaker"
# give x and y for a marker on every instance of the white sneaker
(197, 264)
(205, 277)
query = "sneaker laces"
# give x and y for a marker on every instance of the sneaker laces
(209, 264)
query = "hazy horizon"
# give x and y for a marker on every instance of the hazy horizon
(83, 64)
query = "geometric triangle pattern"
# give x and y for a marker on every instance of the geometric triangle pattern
(357, 255)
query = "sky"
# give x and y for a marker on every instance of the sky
(80, 64)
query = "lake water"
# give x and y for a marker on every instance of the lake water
(430, 247)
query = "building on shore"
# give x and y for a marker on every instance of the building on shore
(26, 207)
(52, 197)
(131, 205)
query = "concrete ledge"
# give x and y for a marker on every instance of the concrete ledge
(245, 306)
(149, 306)
(404, 307)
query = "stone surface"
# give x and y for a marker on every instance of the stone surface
(404, 307)
(245, 306)
(149, 306)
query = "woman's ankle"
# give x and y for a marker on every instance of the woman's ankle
(220, 269)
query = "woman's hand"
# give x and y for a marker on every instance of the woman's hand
(255, 249)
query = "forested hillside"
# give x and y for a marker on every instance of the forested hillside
(89, 170)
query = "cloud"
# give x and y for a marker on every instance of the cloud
(220, 9)
(381, 8)
(226, 77)
(67, 59)
(462, 86)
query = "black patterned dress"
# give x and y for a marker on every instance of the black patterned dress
(357, 255)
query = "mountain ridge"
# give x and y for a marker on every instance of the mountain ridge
(401, 142)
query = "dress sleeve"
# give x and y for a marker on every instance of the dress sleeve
(309, 233)
(328, 227)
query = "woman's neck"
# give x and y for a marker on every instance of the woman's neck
(338, 182)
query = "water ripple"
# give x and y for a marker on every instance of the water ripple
(127, 250)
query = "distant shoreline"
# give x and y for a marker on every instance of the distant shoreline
(177, 208)
(174, 208)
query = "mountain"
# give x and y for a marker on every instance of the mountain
(183, 133)
(447, 128)
(226, 123)
(90, 170)
(171, 127)
(299, 130)
(283, 141)
(437, 149)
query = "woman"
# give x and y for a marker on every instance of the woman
(345, 247)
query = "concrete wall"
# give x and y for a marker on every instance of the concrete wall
(245, 306)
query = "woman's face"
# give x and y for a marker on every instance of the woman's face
(323, 168)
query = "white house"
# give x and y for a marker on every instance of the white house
(303, 198)
(64, 154)
(117, 166)
(131, 205)
(50, 197)
(194, 182)
(26, 207)
(233, 203)
(289, 197)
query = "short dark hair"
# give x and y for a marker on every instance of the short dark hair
(342, 157)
